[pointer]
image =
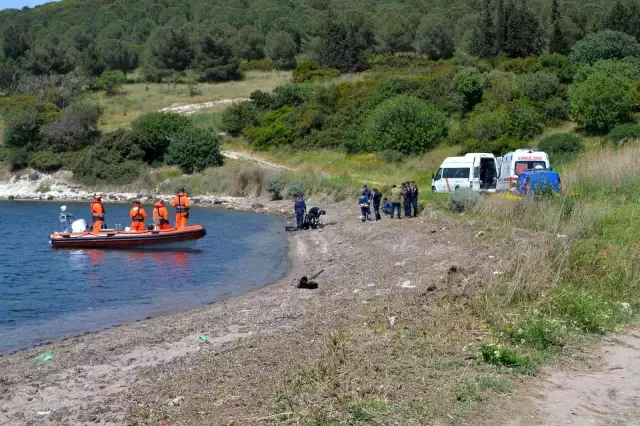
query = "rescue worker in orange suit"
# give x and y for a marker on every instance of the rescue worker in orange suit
(97, 213)
(161, 215)
(181, 203)
(138, 216)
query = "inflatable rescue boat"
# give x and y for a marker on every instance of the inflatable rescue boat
(170, 238)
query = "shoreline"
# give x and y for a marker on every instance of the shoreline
(21, 360)
(27, 187)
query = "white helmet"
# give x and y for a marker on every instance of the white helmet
(63, 208)
(538, 167)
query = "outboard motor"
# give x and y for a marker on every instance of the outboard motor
(79, 225)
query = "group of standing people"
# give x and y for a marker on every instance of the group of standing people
(407, 195)
(138, 215)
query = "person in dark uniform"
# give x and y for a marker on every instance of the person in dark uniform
(312, 218)
(377, 197)
(300, 208)
(414, 197)
(407, 199)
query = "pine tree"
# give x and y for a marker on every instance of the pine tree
(524, 34)
(558, 41)
(555, 11)
(485, 36)
(340, 47)
(634, 20)
(618, 19)
(501, 27)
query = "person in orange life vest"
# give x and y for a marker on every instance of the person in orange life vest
(161, 215)
(97, 213)
(181, 203)
(138, 216)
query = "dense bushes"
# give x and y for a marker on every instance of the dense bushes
(469, 85)
(115, 159)
(623, 134)
(604, 44)
(562, 143)
(153, 133)
(405, 124)
(539, 86)
(312, 71)
(238, 116)
(194, 149)
(602, 101)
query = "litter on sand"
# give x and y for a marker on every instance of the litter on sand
(203, 338)
(43, 357)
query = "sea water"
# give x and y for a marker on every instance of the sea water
(47, 294)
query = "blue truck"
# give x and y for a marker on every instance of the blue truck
(538, 180)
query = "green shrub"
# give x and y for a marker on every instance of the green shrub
(602, 101)
(496, 354)
(111, 81)
(274, 130)
(560, 65)
(258, 65)
(606, 44)
(540, 86)
(610, 67)
(75, 128)
(623, 134)
(45, 161)
(488, 126)
(222, 73)
(22, 126)
(262, 100)
(556, 110)
(469, 85)
(519, 65)
(17, 159)
(295, 189)
(524, 122)
(275, 186)
(462, 200)
(114, 159)
(238, 117)
(290, 95)
(405, 124)
(194, 149)
(312, 71)
(562, 143)
(155, 130)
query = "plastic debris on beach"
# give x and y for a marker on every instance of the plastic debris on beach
(43, 357)
(203, 338)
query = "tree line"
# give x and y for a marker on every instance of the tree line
(212, 37)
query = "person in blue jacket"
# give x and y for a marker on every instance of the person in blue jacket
(365, 206)
(387, 207)
(301, 208)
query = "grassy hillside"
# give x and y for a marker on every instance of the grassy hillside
(134, 100)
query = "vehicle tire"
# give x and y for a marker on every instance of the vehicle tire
(433, 189)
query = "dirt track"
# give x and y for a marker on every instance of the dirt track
(158, 370)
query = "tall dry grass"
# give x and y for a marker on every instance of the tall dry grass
(549, 236)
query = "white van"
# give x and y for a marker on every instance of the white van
(477, 171)
(513, 163)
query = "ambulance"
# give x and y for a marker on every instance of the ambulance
(512, 164)
(477, 171)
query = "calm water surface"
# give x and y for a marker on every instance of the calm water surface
(46, 294)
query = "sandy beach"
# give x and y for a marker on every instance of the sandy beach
(392, 310)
